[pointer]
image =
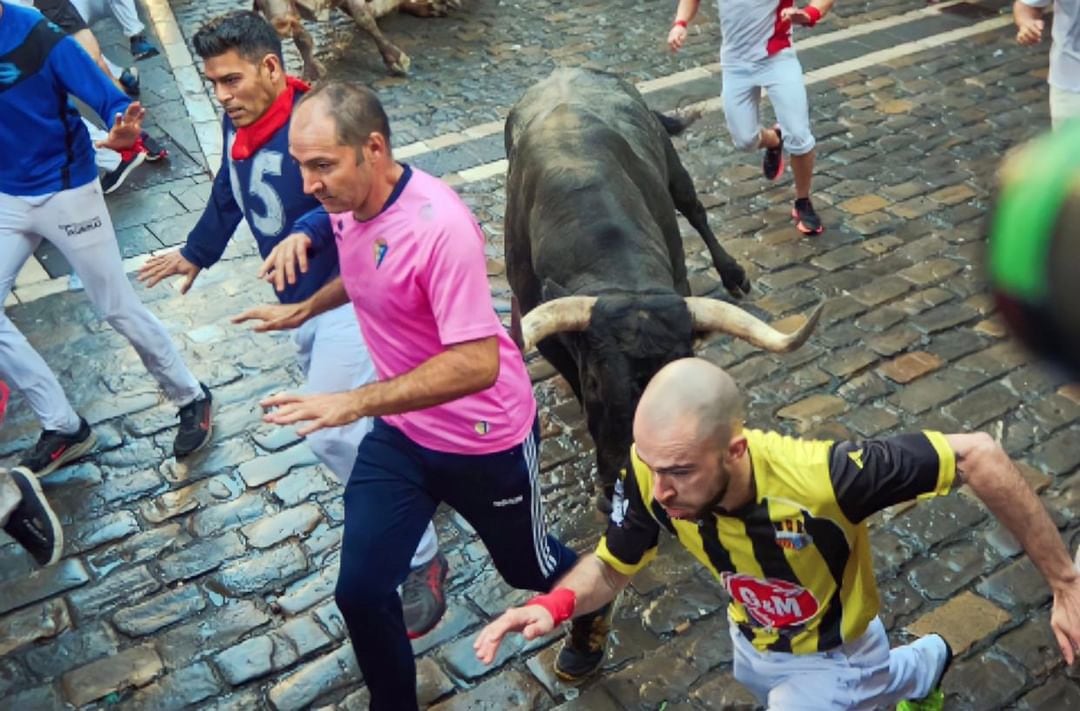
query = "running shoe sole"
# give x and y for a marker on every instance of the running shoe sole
(803, 228)
(70, 454)
(443, 573)
(206, 441)
(136, 161)
(58, 530)
(779, 170)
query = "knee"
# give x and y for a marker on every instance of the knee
(358, 599)
(746, 140)
(799, 143)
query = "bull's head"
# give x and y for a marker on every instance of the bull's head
(620, 342)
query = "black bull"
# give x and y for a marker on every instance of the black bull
(592, 189)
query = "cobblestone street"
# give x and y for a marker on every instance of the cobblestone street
(209, 584)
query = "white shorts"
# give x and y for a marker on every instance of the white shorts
(781, 75)
(1064, 106)
(861, 674)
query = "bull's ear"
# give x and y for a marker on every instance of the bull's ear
(552, 290)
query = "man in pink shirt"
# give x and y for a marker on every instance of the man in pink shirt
(456, 419)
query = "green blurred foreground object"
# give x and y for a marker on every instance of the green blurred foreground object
(1034, 246)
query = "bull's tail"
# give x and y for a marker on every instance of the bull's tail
(676, 123)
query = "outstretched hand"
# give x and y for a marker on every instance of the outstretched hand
(274, 317)
(1065, 618)
(163, 266)
(531, 621)
(319, 411)
(280, 267)
(125, 129)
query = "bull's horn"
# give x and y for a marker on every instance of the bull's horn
(713, 315)
(567, 313)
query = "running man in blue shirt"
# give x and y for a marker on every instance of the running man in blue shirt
(49, 189)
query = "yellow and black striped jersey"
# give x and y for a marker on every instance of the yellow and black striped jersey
(796, 561)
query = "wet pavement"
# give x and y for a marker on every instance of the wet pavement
(209, 583)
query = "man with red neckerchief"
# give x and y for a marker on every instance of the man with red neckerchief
(259, 182)
(757, 53)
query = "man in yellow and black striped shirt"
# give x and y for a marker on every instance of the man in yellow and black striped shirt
(780, 522)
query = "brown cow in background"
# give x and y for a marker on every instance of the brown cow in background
(284, 15)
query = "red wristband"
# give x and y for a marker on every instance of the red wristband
(680, 23)
(813, 13)
(559, 602)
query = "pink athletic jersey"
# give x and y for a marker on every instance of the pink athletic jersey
(417, 276)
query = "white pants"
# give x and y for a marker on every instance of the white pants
(862, 674)
(782, 76)
(78, 223)
(334, 358)
(123, 10)
(1064, 105)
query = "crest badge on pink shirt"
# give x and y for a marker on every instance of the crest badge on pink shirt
(379, 248)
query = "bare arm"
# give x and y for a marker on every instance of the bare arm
(800, 16)
(984, 466)
(279, 317)
(823, 6)
(329, 297)
(460, 370)
(684, 14)
(594, 584)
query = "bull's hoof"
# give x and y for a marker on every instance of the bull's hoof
(430, 8)
(398, 67)
(736, 282)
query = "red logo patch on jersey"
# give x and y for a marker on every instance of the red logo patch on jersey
(771, 603)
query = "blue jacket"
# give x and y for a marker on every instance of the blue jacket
(44, 147)
(266, 190)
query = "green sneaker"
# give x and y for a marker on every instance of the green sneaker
(935, 700)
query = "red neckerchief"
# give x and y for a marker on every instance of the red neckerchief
(251, 138)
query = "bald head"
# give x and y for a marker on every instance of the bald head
(691, 397)
(354, 109)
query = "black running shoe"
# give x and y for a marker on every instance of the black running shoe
(154, 151)
(141, 49)
(423, 600)
(33, 523)
(130, 159)
(195, 425)
(584, 647)
(806, 220)
(55, 449)
(772, 165)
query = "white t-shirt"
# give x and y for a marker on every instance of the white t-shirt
(1065, 48)
(752, 30)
